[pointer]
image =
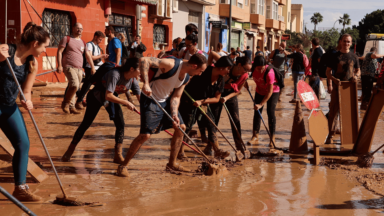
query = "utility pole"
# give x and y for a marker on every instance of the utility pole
(230, 25)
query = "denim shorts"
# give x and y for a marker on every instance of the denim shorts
(153, 119)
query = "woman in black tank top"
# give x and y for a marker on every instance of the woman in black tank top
(33, 42)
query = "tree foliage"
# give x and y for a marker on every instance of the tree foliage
(316, 19)
(371, 23)
(344, 20)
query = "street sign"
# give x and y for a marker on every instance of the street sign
(307, 96)
(286, 37)
(247, 26)
(216, 24)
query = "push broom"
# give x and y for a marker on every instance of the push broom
(63, 200)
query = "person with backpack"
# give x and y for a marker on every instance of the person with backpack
(234, 82)
(169, 76)
(95, 51)
(258, 52)
(300, 62)
(206, 95)
(117, 81)
(278, 59)
(314, 79)
(23, 59)
(70, 60)
(368, 72)
(189, 29)
(267, 93)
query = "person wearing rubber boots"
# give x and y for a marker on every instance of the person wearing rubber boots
(346, 67)
(33, 41)
(117, 81)
(205, 90)
(170, 76)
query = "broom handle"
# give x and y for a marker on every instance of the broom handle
(234, 125)
(185, 134)
(377, 149)
(258, 111)
(166, 131)
(206, 115)
(37, 129)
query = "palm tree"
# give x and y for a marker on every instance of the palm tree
(344, 20)
(316, 19)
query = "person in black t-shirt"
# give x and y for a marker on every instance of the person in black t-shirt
(346, 67)
(248, 53)
(205, 90)
(314, 79)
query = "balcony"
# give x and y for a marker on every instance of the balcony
(282, 2)
(282, 26)
(257, 19)
(273, 24)
(237, 12)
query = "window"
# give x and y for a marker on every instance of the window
(159, 35)
(246, 2)
(261, 5)
(253, 8)
(193, 17)
(223, 1)
(122, 24)
(275, 8)
(240, 5)
(57, 24)
(175, 5)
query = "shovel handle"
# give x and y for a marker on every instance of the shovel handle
(166, 131)
(234, 125)
(37, 129)
(185, 134)
(258, 111)
(210, 120)
(377, 149)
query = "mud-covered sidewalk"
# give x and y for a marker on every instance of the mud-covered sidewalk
(283, 185)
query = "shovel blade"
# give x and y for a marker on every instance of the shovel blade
(239, 156)
(247, 154)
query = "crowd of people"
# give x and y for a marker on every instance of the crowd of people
(213, 80)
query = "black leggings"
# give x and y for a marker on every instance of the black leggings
(91, 79)
(366, 87)
(93, 107)
(233, 108)
(271, 108)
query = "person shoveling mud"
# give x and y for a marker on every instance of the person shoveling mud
(171, 75)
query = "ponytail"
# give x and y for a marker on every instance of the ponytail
(33, 32)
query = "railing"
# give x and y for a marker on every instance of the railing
(280, 18)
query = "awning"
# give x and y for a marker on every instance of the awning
(203, 2)
(151, 2)
(214, 17)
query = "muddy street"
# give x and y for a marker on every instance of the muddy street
(284, 185)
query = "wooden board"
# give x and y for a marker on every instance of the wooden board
(368, 126)
(349, 116)
(35, 171)
(318, 127)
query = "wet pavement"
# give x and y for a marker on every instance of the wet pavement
(285, 185)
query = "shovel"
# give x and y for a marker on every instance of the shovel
(367, 159)
(266, 128)
(247, 154)
(239, 155)
(213, 168)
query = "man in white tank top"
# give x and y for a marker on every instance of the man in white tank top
(166, 86)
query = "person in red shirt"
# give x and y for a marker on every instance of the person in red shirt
(267, 92)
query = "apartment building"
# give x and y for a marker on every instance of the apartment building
(254, 23)
(297, 18)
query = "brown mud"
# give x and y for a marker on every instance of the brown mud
(267, 184)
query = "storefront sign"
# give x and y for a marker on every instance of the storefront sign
(286, 37)
(216, 24)
(237, 25)
(247, 26)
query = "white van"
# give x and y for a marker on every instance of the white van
(374, 40)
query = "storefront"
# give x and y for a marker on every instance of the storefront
(216, 31)
(237, 35)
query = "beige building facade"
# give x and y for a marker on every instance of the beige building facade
(297, 18)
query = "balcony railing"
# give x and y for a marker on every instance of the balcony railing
(281, 18)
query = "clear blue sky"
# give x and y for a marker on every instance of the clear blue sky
(333, 9)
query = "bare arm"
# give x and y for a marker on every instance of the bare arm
(122, 39)
(271, 56)
(118, 55)
(59, 59)
(175, 102)
(233, 94)
(212, 100)
(88, 56)
(112, 98)
(213, 56)
(266, 97)
(28, 84)
(376, 56)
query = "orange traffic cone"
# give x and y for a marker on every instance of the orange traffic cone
(298, 142)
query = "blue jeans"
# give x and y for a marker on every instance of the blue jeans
(296, 77)
(13, 126)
